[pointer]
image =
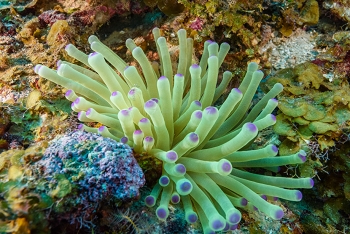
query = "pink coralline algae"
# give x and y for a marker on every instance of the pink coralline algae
(50, 17)
(197, 24)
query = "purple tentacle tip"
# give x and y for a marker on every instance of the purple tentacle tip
(226, 167)
(226, 228)
(195, 66)
(150, 104)
(172, 155)
(143, 120)
(251, 127)
(79, 114)
(237, 90)
(273, 117)
(234, 218)
(298, 195)
(279, 214)
(148, 139)
(186, 186)
(302, 157)
(211, 110)
(80, 126)
(264, 197)
(198, 114)
(67, 46)
(194, 137)
(175, 199)
(132, 91)
(244, 202)
(163, 78)
(274, 148)
(115, 93)
(164, 180)
(217, 225)
(124, 140)
(274, 99)
(233, 227)
(125, 112)
(198, 103)
(192, 218)
(180, 168)
(69, 92)
(149, 200)
(88, 112)
(93, 54)
(161, 213)
(101, 129)
(37, 68)
(179, 75)
(137, 132)
(312, 182)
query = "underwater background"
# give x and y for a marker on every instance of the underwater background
(302, 44)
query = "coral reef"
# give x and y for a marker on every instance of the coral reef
(85, 171)
(22, 207)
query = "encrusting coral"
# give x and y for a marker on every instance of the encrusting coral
(203, 148)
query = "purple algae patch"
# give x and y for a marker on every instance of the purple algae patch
(107, 169)
(99, 171)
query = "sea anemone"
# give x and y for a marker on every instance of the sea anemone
(172, 116)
